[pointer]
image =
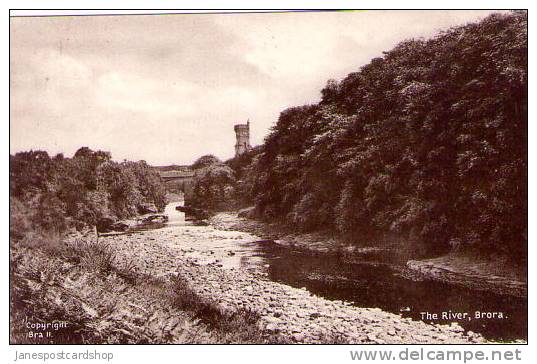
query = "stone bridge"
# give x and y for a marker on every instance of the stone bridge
(179, 180)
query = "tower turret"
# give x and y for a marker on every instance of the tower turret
(242, 132)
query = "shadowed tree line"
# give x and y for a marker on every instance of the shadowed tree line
(54, 194)
(213, 186)
(427, 143)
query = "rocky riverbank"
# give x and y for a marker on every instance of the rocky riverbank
(315, 242)
(472, 272)
(217, 267)
(91, 295)
(225, 280)
(497, 275)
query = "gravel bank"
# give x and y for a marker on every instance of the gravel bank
(219, 266)
(494, 275)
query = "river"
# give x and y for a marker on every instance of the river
(371, 283)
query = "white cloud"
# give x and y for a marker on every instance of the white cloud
(137, 94)
(169, 88)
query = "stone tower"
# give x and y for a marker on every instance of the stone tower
(242, 132)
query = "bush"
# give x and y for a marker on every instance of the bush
(59, 193)
(213, 187)
(19, 219)
(92, 256)
(428, 142)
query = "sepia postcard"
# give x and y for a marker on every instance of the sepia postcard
(268, 177)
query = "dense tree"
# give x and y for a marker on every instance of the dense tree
(58, 193)
(205, 161)
(213, 186)
(29, 173)
(427, 142)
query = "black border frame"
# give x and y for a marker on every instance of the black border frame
(258, 11)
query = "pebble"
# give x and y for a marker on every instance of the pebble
(283, 309)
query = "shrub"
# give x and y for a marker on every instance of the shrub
(91, 255)
(19, 219)
(60, 192)
(428, 141)
(213, 187)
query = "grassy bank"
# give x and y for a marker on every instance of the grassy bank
(80, 286)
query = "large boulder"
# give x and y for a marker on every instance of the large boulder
(198, 214)
(104, 224)
(109, 224)
(119, 226)
(148, 208)
(247, 213)
(193, 213)
(155, 218)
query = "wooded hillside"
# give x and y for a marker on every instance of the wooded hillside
(54, 194)
(427, 142)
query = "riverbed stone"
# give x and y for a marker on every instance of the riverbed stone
(293, 312)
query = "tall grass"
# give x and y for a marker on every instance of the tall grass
(97, 258)
(91, 255)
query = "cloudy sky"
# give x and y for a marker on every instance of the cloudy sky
(169, 88)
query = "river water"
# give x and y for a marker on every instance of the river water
(368, 283)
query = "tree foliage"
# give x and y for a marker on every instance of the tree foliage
(57, 193)
(427, 142)
(213, 184)
(205, 161)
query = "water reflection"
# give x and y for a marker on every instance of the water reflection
(373, 282)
